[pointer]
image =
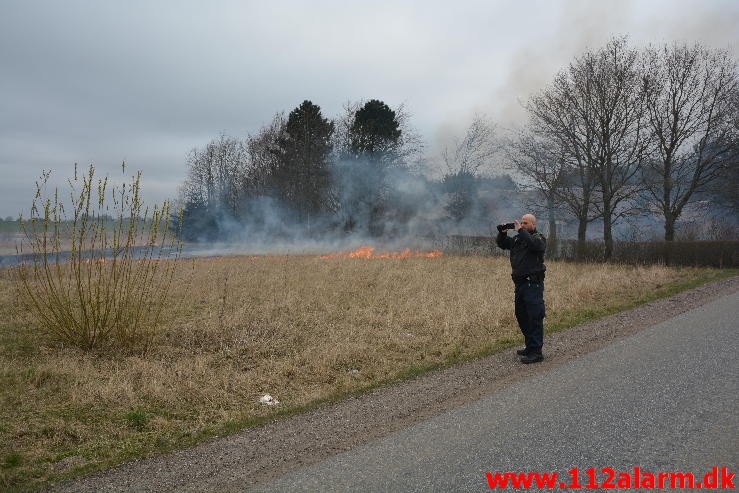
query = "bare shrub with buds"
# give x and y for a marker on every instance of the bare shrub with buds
(98, 277)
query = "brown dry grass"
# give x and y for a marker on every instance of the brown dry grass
(299, 328)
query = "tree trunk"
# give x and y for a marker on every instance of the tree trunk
(552, 246)
(582, 228)
(669, 227)
(669, 235)
(607, 229)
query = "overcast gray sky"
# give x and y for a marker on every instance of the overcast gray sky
(145, 81)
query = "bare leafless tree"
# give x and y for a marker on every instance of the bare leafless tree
(214, 174)
(262, 151)
(556, 152)
(464, 161)
(474, 151)
(538, 161)
(692, 112)
(410, 145)
(609, 99)
(342, 126)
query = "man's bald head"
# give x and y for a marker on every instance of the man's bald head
(528, 221)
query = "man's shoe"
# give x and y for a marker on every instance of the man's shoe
(532, 358)
(522, 352)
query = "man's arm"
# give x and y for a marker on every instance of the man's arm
(536, 242)
(503, 241)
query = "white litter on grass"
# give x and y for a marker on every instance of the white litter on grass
(268, 400)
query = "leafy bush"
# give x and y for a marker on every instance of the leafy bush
(101, 276)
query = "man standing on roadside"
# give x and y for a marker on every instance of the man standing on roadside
(527, 262)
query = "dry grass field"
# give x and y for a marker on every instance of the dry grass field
(303, 329)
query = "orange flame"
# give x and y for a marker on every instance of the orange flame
(99, 261)
(368, 252)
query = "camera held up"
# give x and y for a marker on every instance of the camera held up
(503, 227)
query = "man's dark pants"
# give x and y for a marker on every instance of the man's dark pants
(530, 313)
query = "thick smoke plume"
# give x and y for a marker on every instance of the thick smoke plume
(307, 184)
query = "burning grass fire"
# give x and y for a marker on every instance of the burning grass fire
(369, 252)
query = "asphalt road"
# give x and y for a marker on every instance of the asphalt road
(664, 399)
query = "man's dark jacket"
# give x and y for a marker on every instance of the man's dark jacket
(527, 253)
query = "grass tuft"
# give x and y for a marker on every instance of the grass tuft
(137, 420)
(13, 459)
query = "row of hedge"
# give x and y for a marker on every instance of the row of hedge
(714, 253)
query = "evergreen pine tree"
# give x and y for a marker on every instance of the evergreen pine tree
(303, 175)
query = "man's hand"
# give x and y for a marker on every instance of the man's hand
(517, 225)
